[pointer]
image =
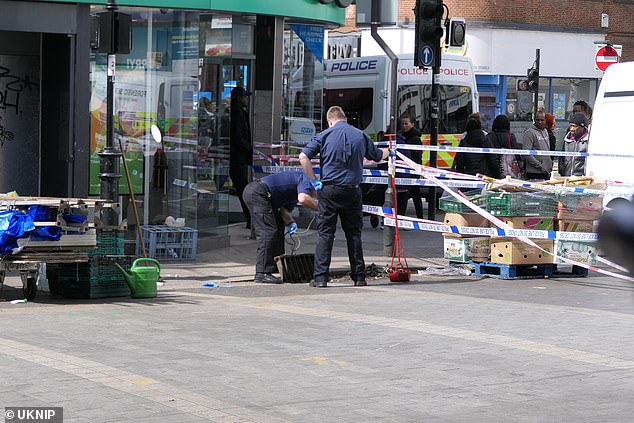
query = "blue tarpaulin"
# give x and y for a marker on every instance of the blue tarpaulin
(13, 225)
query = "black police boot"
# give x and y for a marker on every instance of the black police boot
(266, 278)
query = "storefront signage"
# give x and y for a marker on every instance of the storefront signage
(313, 38)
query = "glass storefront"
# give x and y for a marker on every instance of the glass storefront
(556, 96)
(302, 75)
(179, 76)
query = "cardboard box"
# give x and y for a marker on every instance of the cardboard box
(568, 225)
(514, 251)
(580, 251)
(579, 206)
(533, 223)
(465, 249)
(473, 220)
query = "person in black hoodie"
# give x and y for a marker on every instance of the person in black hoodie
(476, 163)
(501, 137)
(241, 147)
(412, 136)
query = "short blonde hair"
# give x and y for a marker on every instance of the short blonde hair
(335, 114)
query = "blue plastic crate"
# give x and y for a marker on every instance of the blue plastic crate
(167, 243)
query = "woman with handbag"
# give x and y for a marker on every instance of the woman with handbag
(501, 137)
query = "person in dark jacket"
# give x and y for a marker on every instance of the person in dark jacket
(501, 137)
(271, 200)
(241, 149)
(412, 137)
(476, 163)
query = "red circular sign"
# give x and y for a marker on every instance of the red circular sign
(605, 57)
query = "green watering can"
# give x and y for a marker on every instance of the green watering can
(142, 279)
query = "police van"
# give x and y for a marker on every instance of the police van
(361, 86)
(609, 133)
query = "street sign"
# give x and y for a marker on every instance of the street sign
(427, 56)
(605, 57)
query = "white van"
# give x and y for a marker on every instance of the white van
(611, 134)
(361, 85)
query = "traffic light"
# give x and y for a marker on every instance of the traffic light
(429, 30)
(456, 32)
(533, 79)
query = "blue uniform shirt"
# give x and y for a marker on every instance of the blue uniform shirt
(285, 187)
(342, 148)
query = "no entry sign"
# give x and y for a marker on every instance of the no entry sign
(605, 57)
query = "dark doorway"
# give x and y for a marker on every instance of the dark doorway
(57, 116)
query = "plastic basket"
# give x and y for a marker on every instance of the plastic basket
(521, 203)
(168, 243)
(449, 203)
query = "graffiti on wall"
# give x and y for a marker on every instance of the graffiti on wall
(19, 124)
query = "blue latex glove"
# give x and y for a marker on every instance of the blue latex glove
(392, 152)
(292, 228)
(317, 184)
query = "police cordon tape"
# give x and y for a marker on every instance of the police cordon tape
(518, 152)
(375, 176)
(500, 224)
(433, 226)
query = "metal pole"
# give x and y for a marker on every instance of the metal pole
(536, 93)
(433, 138)
(109, 172)
(388, 231)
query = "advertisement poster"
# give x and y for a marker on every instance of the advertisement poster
(559, 106)
(19, 124)
(131, 126)
(218, 37)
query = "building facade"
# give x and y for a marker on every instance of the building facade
(186, 57)
(502, 39)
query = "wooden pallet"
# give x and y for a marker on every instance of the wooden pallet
(513, 271)
(575, 272)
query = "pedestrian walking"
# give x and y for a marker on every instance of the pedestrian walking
(270, 201)
(241, 147)
(342, 149)
(536, 138)
(576, 140)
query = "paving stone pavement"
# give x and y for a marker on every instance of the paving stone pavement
(438, 349)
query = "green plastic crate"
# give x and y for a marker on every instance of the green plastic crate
(449, 203)
(521, 203)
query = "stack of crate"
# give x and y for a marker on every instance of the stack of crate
(99, 277)
(578, 212)
(522, 210)
(464, 248)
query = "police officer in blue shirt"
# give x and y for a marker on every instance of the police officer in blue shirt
(270, 201)
(342, 148)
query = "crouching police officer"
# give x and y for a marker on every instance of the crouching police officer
(270, 201)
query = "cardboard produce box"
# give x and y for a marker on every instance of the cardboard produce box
(514, 251)
(580, 251)
(533, 223)
(578, 206)
(569, 225)
(472, 220)
(458, 248)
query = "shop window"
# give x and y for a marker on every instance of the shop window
(302, 79)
